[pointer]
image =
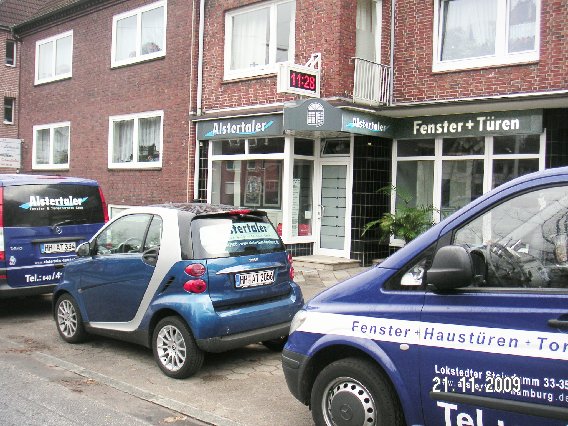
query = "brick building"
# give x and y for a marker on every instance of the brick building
(302, 108)
(105, 94)
(444, 100)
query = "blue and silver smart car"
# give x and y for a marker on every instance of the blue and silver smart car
(183, 279)
(465, 325)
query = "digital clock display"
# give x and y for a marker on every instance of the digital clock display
(303, 80)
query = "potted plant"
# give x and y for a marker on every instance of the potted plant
(406, 223)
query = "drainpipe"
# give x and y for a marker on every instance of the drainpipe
(391, 79)
(199, 94)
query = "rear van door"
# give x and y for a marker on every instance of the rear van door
(43, 225)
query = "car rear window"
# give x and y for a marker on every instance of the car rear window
(52, 204)
(227, 236)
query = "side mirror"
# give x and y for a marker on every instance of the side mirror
(83, 250)
(451, 268)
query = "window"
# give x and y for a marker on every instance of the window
(54, 57)
(9, 104)
(11, 53)
(135, 140)
(448, 173)
(139, 35)
(126, 235)
(51, 146)
(259, 37)
(522, 241)
(481, 33)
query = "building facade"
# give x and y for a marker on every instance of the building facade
(442, 99)
(105, 94)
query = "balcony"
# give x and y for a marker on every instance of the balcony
(372, 83)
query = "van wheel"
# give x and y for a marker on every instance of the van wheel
(276, 345)
(353, 392)
(69, 320)
(175, 349)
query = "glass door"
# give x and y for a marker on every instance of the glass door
(333, 218)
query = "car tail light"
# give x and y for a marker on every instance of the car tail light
(195, 270)
(195, 286)
(2, 252)
(104, 204)
(291, 270)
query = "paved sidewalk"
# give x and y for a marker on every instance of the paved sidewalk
(314, 281)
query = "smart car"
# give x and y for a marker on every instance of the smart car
(465, 325)
(182, 279)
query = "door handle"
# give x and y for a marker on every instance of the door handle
(554, 323)
(150, 256)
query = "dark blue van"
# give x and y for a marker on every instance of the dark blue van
(465, 325)
(43, 219)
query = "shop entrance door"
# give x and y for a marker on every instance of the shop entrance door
(333, 215)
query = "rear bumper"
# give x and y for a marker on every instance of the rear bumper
(6, 291)
(233, 341)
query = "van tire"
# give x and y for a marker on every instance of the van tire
(175, 350)
(358, 385)
(69, 320)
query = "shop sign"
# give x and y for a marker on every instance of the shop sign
(10, 153)
(367, 124)
(313, 114)
(242, 127)
(479, 124)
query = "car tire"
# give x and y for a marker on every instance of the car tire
(356, 393)
(276, 345)
(175, 350)
(69, 320)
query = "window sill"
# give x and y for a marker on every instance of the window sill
(9, 123)
(136, 166)
(234, 77)
(50, 167)
(138, 60)
(52, 80)
(480, 63)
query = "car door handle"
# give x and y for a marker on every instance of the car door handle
(150, 256)
(554, 323)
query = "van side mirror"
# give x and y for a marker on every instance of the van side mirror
(451, 268)
(83, 250)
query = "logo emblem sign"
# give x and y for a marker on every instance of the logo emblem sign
(316, 114)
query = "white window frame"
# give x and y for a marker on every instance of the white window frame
(138, 13)
(488, 157)
(50, 165)
(135, 164)
(272, 66)
(53, 77)
(13, 110)
(15, 53)
(501, 56)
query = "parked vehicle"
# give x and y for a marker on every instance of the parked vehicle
(467, 324)
(43, 219)
(182, 279)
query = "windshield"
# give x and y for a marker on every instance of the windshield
(227, 236)
(51, 205)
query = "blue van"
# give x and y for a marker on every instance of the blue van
(465, 325)
(43, 219)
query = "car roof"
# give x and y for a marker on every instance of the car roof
(205, 208)
(25, 179)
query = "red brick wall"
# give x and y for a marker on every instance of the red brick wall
(327, 27)
(415, 81)
(96, 92)
(8, 87)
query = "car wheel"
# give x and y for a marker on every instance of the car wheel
(276, 345)
(175, 349)
(69, 320)
(353, 392)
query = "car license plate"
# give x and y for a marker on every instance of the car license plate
(254, 279)
(49, 248)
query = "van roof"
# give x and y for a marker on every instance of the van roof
(23, 179)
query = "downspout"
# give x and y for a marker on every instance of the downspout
(190, 103)
(199, 95)
(391, 79)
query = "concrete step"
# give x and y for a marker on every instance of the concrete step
(324, 263)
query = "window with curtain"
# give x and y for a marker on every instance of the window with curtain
(478, 33)
(139, 34)
(54, 58)
(51, 146)
(258, 38)
(136, 140)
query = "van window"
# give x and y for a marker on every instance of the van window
(234, 236)
(52, 204)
